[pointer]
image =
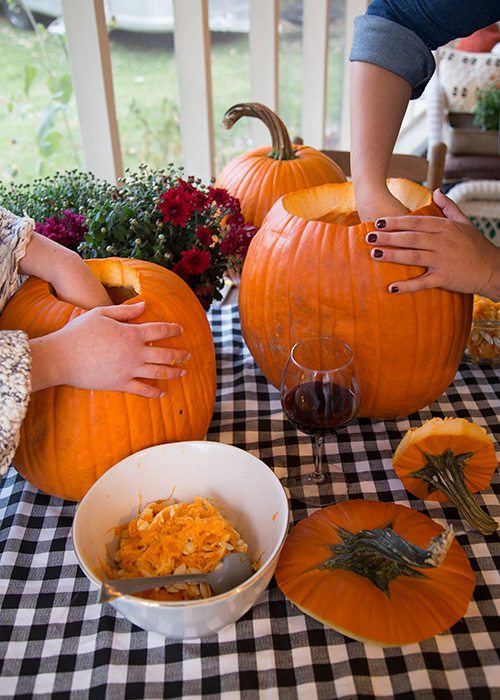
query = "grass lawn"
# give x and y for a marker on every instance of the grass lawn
(146, 94)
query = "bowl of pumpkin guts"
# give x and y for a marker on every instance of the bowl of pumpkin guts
(483, 344)
(182, 508)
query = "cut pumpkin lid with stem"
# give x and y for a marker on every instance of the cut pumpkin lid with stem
(449, 459)
(376, 572)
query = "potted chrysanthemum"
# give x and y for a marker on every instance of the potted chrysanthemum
(195, 230)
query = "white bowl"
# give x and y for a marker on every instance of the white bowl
(247, 490)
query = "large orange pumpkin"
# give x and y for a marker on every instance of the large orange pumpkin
(71, 436)
(260, 177)
(308, 272)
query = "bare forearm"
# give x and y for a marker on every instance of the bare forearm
(47, 368)
(66, 272)
(379, 100)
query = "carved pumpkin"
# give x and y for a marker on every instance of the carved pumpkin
(71, 436)
(308, 272)
(260, 177)
(376, 572)
(448, 459)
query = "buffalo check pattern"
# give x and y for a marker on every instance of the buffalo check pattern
(56, 641)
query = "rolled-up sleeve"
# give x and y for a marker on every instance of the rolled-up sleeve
(391, 46)
(15, 388)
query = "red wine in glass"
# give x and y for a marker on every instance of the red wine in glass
(320, 396)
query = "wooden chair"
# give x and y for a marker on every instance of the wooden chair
(418, 168)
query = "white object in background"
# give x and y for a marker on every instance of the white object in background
(480, 201)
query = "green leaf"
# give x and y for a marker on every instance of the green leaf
(61, 87)
(49, 143)
(29, 77)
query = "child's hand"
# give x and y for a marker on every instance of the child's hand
(99, 350)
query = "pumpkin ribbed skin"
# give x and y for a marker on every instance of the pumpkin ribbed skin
(261, 176)
(414, 609)
(258, 180)
(71, 436)
(310, 273)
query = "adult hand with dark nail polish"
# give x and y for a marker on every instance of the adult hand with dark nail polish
(456, 255)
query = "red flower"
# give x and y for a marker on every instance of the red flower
(205, 294)
(204, 235)
(192, 262)
(175, 207)
(237, 240)
(222, 198)
(196, 198)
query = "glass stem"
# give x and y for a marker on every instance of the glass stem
(318, 476)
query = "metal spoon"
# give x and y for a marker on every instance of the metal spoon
(234, 570)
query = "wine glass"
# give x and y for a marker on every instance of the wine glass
(320, 396)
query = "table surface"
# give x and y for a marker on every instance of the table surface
(57, 641)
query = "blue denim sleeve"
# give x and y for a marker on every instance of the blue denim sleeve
(399, 34)
(437, 22)
(394, 47)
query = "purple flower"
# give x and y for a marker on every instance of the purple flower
(69, 230)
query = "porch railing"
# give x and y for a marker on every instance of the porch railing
(89, 53)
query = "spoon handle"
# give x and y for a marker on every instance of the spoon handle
(113, 588)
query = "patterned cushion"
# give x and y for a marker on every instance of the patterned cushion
(461, 73)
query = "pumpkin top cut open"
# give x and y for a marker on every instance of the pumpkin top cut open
(376, 572)
(336, 203)
(448, 459)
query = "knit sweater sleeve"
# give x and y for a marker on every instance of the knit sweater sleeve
(15, 356)
(15, 387)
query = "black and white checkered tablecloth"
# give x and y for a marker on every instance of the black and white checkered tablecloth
(56, 641)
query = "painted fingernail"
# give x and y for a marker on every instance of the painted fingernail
(377, 253)
(380, 223)
(372, 238)
(394, 289)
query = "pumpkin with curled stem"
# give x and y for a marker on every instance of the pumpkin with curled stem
(376, 572)
(260, 177)
(449, 459)
(308, 272)
(71, 436)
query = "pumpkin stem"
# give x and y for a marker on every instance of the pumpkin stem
(445, 472)
(382, 554)
(282, 147)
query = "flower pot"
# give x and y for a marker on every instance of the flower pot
(463, 136)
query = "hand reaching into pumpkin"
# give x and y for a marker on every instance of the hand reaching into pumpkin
(100, 350)
(456, 254)
(65, 270)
